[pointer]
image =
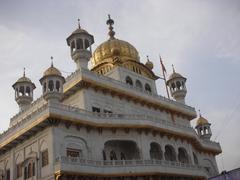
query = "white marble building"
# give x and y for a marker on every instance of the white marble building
(107, 122)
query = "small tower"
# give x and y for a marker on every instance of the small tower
(176, 83)
(23, 91)
(52, 84)
(80, 42)
(203, 128)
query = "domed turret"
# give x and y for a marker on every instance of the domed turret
(23, 91)
(203, 128)
(52, 84)
(80, 42)
(149, 64)
(176, 83)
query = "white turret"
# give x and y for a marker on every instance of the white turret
(23, 92)
(52, 84)
(203, 128)
(80, 42)
(176, 83)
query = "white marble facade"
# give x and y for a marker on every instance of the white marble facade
(97, 133)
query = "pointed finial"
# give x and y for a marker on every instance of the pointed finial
(24, 72)
(79, 27)
(51, 61)
(199, 111)
(110, 22)
(147, 58)
(173, 68)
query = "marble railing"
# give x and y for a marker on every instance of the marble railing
(126, 166)
(102, 118)
(121, 85)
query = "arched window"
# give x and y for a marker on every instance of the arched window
(178, 85)
(155, 151)
(58, 86)
(170, 154)
(50, 85)
(86, 43)
(21, 91)
(29, 170)
(79, 44)
(129, 80)
(138, 84)
(173, 86)
(182, 155)
(44, 87)
(73, 48)
(148, 88)
(195, 158)
(44, 155)
(27, 91)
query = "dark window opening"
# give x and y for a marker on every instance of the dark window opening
(95, 109)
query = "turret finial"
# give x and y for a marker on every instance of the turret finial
(24, 71)
(79, 27)
(147, 58)
(199, 111)
(173, 68)
(110, 22)
(51, 61)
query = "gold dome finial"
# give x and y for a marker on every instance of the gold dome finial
(173, 68)
(110, 22)
(24, 72)
(199, 111)
(51, 61)
(79, 27)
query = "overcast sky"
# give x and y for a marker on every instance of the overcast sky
(201, 38)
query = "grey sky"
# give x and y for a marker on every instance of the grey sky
(201, 38)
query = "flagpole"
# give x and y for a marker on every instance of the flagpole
(164, 77)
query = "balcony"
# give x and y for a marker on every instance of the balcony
(126, 167)
(38, 115)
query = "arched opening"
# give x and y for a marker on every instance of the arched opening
(44, 87)
(173, 86)
(138, 84)
(129, 80)
(50, 85)
(28, 93)
(21, 91)
(121, 150)
(155, 151)
(148, 88)
(195, 158)
(79, 44)
(58, 86)
(73, 48)
(170, 154)
(86, 43)
(183, 155)
(178, 85)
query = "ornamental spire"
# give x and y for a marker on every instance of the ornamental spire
(51, 61)
(173, 68)
(79, 26)
(24, 72)
(110, 22)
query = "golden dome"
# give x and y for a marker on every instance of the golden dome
(114, 47)
(24, 79)
(201, 121)
(52, 71)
